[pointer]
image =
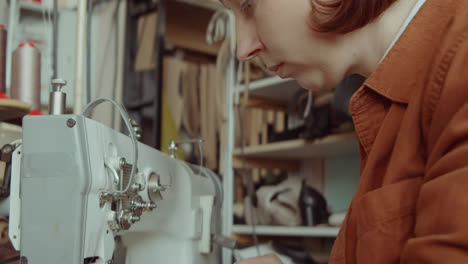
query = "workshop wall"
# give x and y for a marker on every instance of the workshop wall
(106, 51)
(193, 84)
(3, 12)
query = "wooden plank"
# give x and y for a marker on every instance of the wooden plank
(280, 119)
(253, 138)
(186, 27)
(212, 140)
(263, 173)
(255, 176)
(222, 148)
(191, 94)
(146, 33)
(204, 110)
(208, 132)
(173, 71)
(264, 133)
(270, 117)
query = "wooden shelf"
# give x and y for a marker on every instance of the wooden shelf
(334, 145)
(273, 88)
(13, 109)
(299, 231)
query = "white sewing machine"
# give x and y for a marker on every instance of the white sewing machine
(73, 199)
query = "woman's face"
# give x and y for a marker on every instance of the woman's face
(278, 31)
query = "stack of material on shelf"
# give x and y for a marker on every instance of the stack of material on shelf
(313, 116)
(279, 204)
(258, 124)
(194, 95)
(281, 200)
(307, 116)
(260, 177)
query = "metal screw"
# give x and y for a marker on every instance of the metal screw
(71, 123)
(136, 128)
(123, 162)
(173, 148)
(137, 187)
(57, 84)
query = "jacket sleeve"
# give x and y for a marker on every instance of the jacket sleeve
(441, 225)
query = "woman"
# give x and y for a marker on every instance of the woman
(410, 116)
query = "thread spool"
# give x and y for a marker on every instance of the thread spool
(3, 43)
(26, 75)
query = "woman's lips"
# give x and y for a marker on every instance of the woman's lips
(279, 69)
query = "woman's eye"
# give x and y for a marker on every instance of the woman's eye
(246, 5)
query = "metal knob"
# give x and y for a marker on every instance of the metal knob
(57, 98)
(58, 84)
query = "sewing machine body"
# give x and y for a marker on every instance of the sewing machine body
(66, 206)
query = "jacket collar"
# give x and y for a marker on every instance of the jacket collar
(407, 63)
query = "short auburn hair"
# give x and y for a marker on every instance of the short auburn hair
(344, 16)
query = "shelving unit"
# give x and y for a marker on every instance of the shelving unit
(272, 88)
(299, 231)
(334, 145)
(308, 159)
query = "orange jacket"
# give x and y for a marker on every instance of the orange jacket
(411, 119)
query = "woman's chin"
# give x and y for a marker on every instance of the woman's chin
(317, 83)
(309, 85)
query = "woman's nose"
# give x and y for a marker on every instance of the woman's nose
(248, 43)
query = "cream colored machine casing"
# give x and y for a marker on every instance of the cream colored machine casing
(66, 206)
